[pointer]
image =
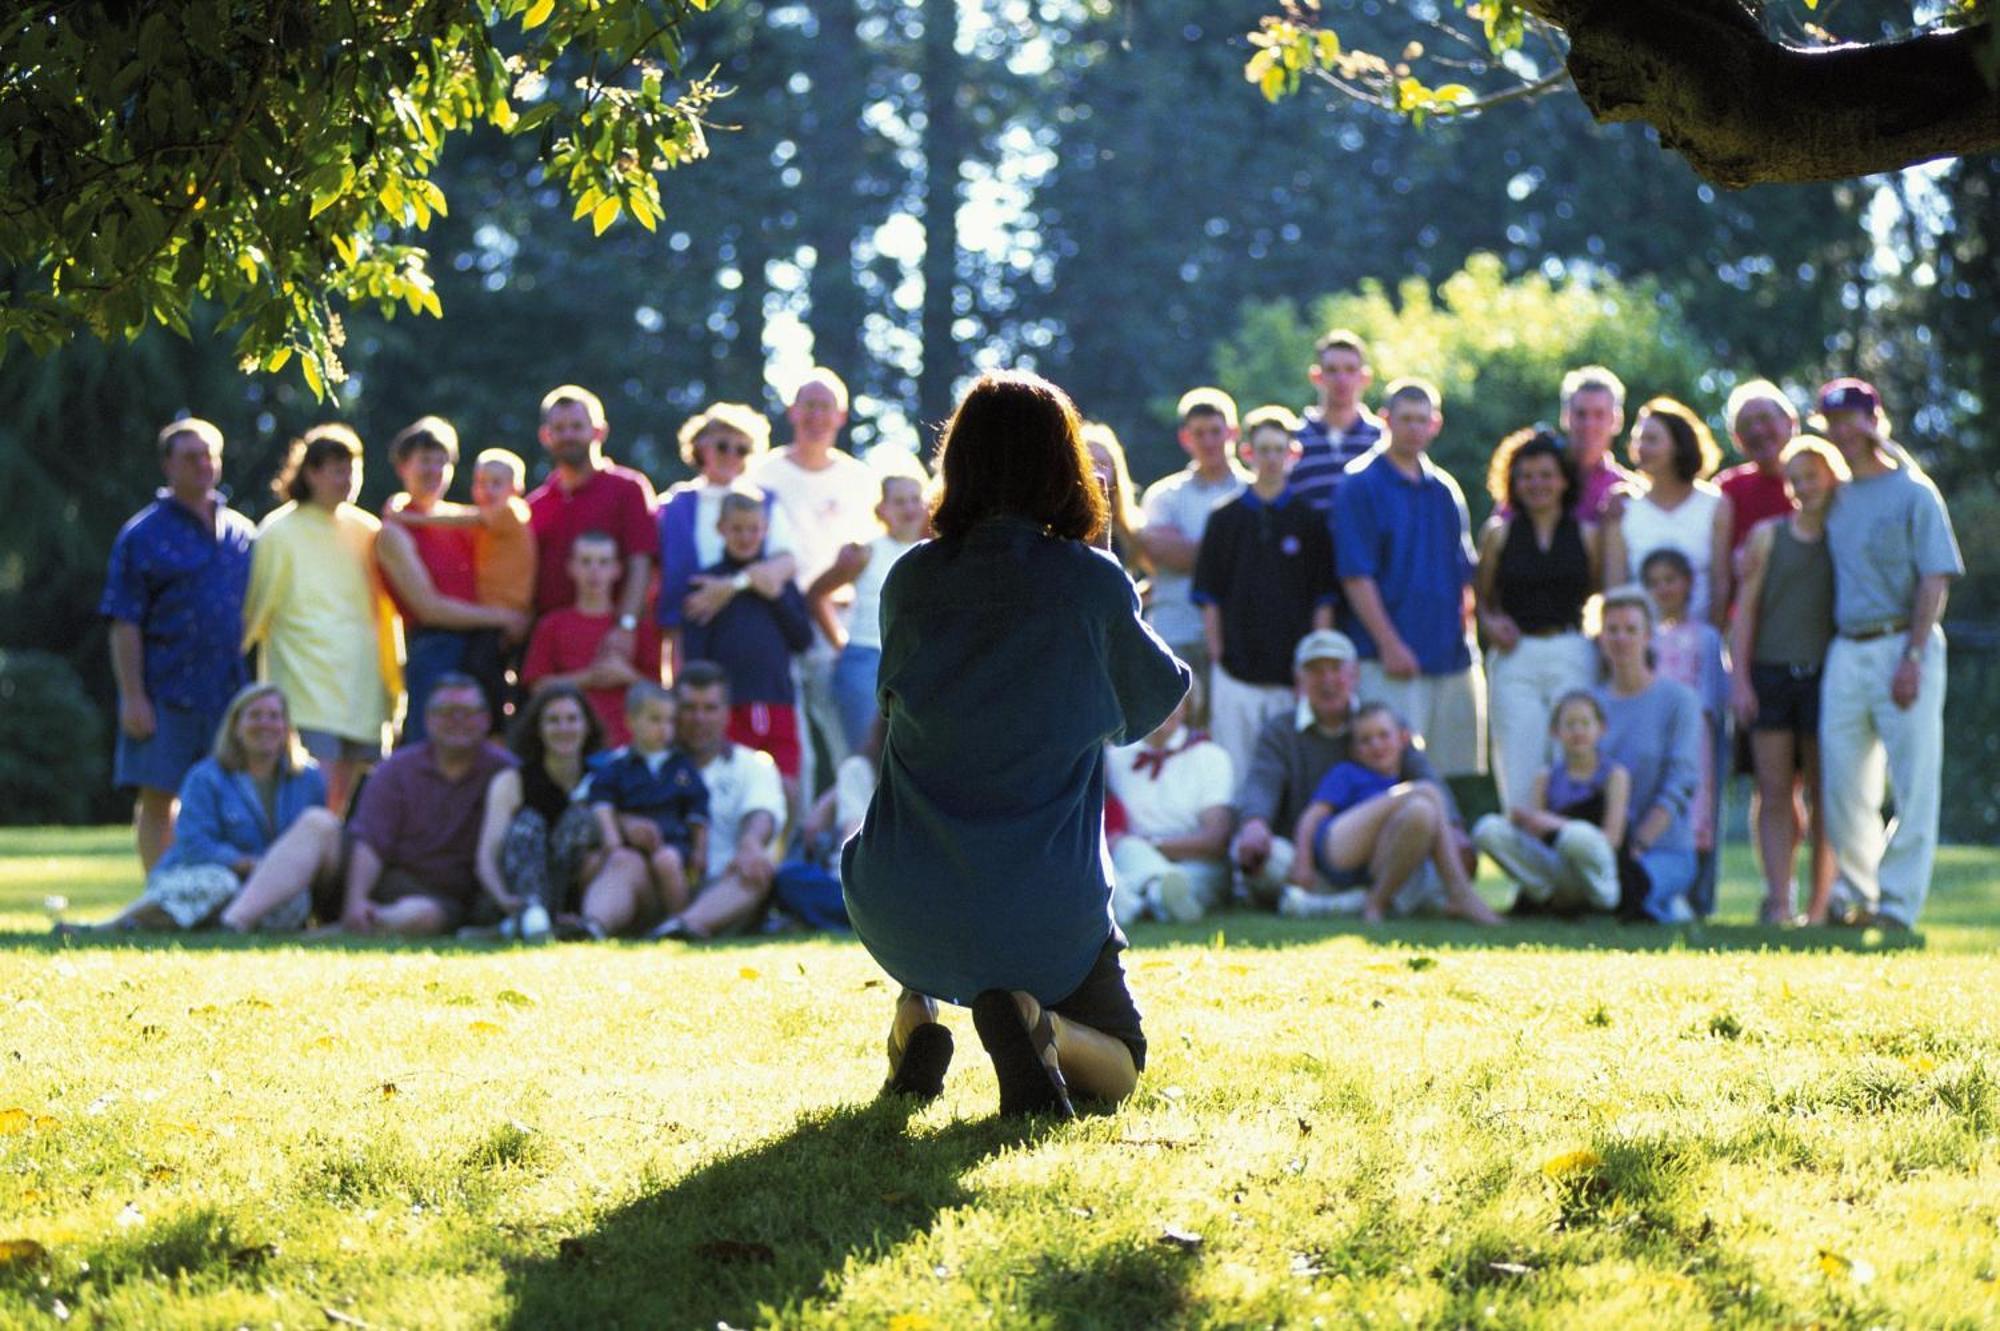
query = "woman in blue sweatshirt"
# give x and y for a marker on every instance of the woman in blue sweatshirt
(1012, 652)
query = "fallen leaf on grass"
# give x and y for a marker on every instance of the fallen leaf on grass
(204, 1010)
(1180, 1238)
(1510, 1268)
(15, 1120)
(1571, 1164)
(252, 1001)
(22, 1252)
(912, 1322)
(388, 1089)
(748, 973)
(163, 1173)
(1237, 968)
(1836, 1265)
(514, 998)
(485, 1028)
(1421, 963)
(323, 1042)
(731, 1252)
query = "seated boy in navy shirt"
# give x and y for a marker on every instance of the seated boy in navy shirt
(648, 796)
(753, 639)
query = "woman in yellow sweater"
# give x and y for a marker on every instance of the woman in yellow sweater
(317, 607)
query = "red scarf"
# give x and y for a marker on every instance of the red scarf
(1154, 761)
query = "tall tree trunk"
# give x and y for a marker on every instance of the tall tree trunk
(944, 151)
(831, 205)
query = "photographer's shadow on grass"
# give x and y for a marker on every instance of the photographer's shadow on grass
(774, 1226)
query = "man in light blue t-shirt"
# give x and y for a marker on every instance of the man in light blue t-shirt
(1882, 692)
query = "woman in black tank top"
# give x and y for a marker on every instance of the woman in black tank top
(1537, 567)
(535, 842)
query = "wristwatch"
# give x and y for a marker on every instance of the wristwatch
(741, 582)
(1913, 652)
(628, 621)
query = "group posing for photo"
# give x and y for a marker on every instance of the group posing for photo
(703, 696)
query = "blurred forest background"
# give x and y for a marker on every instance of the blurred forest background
(912, 192)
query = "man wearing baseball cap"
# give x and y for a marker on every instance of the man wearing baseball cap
(1882, 692)
(1291, 755)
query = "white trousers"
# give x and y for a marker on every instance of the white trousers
(1863, 739)
(1137, 866)
(1580, 869)
(1237, 711)
(1449, 711)
(1522, 687)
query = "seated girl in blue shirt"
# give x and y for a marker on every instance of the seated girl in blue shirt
(1012, 652)
(1349, 811)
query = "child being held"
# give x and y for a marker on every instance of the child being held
(753, 639)
(648, 795)
(1561, 847)
(1352, 802)
(1689, 651)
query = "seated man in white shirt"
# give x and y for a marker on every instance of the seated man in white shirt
(1172, 863)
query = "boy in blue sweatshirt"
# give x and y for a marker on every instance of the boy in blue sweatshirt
(753, 639)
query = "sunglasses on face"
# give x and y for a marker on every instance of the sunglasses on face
(731, 450)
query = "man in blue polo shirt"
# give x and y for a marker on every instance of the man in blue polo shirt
(1403, 548)
(174, 597)
(1340, 428)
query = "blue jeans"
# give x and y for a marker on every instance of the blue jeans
(855, 672)
(1672, 873)
(428, 653)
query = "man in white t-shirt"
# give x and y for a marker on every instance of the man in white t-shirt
(829, 496)
(1177, 509)
(746, 811)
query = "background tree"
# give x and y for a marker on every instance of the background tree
(1717, 79)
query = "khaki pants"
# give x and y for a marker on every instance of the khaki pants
(1580, 869)
(1448, 711)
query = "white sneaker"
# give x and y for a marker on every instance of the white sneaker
(1177, 898)
(534, 923)
(1298, 904)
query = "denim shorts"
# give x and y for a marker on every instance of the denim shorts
(181, 738)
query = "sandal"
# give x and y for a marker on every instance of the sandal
(918, 1068)
(1030, 1083)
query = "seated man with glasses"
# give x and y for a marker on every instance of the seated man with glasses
(414, 835)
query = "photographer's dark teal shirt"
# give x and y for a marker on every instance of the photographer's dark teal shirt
(1009, 659)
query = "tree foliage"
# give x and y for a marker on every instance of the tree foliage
(1746, 91)
(268, 156)
(1495, 346)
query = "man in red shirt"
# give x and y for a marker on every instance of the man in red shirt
(588, 492)
(570, 645)
(430, 574)
(1762, 421)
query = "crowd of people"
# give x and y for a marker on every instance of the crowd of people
(691, 687)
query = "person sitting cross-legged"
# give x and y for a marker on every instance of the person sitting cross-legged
(1561, 846)
(1172, 861)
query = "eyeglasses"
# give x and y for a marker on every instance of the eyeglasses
(733, 450)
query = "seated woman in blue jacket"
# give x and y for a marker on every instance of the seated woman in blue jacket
(235, 804)
(1012, 652)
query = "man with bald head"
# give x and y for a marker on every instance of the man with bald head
(1762, 420)
(828, 497)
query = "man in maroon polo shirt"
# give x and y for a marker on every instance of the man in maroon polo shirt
(588, 492)
(414, 836)
(1762, 420)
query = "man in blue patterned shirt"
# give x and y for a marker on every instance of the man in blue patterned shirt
(174, 596)
(1340, 428)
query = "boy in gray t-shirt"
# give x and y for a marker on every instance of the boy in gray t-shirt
(1882, 693)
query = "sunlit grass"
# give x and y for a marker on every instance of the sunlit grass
(1568, 1129)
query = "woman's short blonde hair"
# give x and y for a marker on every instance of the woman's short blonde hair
(228, 752)
(735, 416)
(1811, 445)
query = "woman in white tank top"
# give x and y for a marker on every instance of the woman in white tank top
(1674, 453)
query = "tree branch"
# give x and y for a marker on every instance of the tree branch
(1744, 109)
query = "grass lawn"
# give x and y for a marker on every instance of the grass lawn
(1560, 1126)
